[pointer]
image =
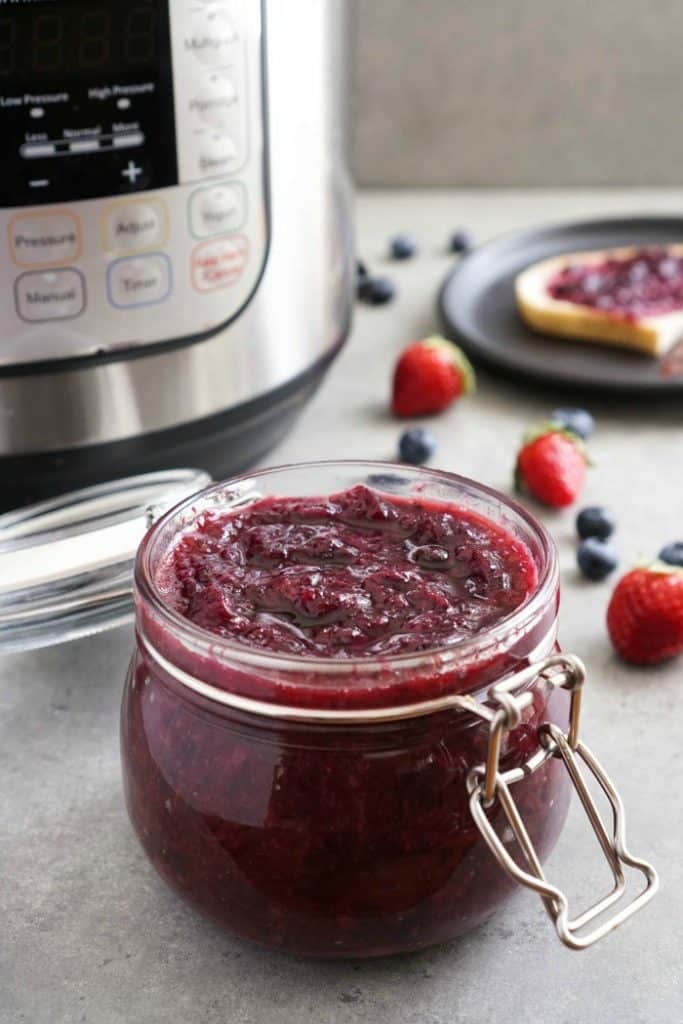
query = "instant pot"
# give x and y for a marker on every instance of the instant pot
(175, 208)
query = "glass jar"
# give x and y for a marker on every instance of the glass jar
(325, 806)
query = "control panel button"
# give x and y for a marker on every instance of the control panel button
(140, 281)
(135, 225)
(219, 263)
(44, 239)
(215, 101)
(50, 295)
(217, 154)
(212, 37)
(217, 209)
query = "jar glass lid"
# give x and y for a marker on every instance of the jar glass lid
(66, 565)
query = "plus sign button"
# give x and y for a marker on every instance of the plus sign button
(134, 174)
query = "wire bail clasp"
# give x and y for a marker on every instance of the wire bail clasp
(486, 784)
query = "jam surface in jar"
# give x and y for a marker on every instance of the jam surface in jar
(333, 840)
(355, 574)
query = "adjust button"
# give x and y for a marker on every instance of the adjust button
(135, 225)
(217, 209)
(140, 281)
(44, 239)
(50, 295)
(219, 263)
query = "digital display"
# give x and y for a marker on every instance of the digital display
(86, 99)
(47, 39)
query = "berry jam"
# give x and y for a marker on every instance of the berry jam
(351, 839)
(648, 283)
(357, 574)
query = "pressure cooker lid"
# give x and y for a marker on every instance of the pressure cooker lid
(66, 565)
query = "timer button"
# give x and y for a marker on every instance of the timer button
(212, 38)
(215, 102)
(217, 209)
(219, 263)
(50, 295)
(44, 239)
(140, 281)
(217, 154)
(135, 226)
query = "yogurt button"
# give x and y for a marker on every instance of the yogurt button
(129, 226)
(216, 210)
(141, 281)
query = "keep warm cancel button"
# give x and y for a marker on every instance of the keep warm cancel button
(219, 263)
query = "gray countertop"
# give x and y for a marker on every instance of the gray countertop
(88, 931)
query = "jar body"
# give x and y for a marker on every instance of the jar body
(352, 836)
(326, 840)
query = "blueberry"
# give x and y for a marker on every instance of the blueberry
(402, 247)
(579, 421)
(672, 554)
(460, 241)
(362, 273)
(595, 559)
(376, 290)
(595, 522)
(416, 445)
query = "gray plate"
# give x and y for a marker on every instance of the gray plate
(478, 310)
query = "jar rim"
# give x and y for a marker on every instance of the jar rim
(235, 652)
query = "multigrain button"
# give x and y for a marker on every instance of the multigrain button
(135, 226)
(50, 295)
(140, 281)
(217, 209)
(212, 38)
(44, 239)
(219, 263)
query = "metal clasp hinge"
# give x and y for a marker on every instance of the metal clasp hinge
(486, 784)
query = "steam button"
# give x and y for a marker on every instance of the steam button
(217, 155)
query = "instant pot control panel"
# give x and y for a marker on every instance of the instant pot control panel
(132, 193)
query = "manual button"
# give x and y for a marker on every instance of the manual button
(134, 226)
(44, 239)
(50, 295)
(141, 281)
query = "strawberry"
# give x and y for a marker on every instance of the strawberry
(645, 614)
(429, 375)
(551, 464)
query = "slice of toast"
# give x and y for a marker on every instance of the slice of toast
(653, 334)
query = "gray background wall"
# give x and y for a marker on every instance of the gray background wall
(518, 92)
